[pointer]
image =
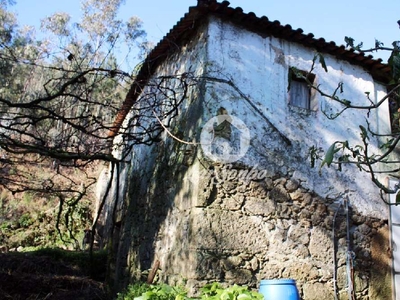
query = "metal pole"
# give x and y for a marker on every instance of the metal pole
(349, 256)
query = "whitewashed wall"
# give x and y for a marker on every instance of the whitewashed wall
(259, 67)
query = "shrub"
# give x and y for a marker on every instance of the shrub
(214, 291)
(143, 291)
(25, 220)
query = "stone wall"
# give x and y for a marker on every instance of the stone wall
(244, 229)
(248, 230)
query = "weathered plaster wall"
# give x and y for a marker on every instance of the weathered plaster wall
(204, 222)
(259, 67)
(146, 188)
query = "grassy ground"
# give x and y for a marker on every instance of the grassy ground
(52, 274)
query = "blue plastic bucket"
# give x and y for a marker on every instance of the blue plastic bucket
(279, 289)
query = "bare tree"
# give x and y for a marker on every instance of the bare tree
(58, 99)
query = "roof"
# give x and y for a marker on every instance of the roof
(187, 27)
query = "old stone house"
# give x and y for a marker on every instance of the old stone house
(221, 187)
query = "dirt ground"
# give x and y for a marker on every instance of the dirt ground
(26, 276)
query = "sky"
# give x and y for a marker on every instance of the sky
(362, 20)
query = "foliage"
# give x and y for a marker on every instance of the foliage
(25, 220)
(213, 291)
(153, 292)
(31, 221)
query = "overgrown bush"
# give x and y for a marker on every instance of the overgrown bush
(29, 220)
(25, 220)
(214, 291)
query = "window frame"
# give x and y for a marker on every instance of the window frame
(302, 80)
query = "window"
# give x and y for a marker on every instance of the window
(300, 92)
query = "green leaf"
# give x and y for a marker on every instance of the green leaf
(346, 102)
(349, 41)
(329, 155)
(364, 133)
(359, 46)
(398, 198)
(396, 45)
(387, 144)
(394, 62)
(378, 44)
(322, 62)
(244, 297)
